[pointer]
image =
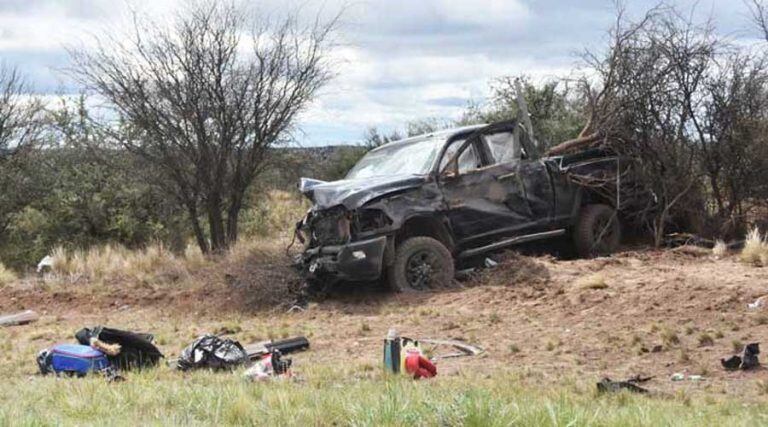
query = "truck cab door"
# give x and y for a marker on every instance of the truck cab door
(478, 194)
(528, 184)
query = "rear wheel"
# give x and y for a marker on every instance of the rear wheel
(421, 263)
(598, 231)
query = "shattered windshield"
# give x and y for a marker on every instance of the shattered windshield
(414, 157)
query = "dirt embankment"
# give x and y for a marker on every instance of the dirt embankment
(244, 284)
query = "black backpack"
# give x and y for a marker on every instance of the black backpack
(136, 349)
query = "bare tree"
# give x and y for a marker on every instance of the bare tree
(206, 103)
(759, 11)
(18, 113)
(645, 96)
(734, 154)
(19, 127)
(627, 61)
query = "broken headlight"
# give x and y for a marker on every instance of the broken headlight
(367, 220)
(331, 227)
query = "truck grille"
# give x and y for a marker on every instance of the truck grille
(330, 229)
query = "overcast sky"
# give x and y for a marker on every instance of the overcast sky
(400, 59)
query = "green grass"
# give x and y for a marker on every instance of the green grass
(351, 395)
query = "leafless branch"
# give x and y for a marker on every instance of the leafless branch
(206, 102)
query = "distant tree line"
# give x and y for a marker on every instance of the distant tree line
(69, 188)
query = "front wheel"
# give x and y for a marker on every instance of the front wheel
(597, 232)
(420, 263)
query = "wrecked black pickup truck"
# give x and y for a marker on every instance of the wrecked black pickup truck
(409, 210)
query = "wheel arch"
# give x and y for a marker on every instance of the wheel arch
(434, 226)
(587, 196)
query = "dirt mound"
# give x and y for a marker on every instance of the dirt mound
(515, 269)
(247, 282)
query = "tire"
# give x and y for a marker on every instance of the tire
(598, 232)
(421, 263)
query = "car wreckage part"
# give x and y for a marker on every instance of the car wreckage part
(287, 346)
(21, 318)
(598, 231)
(354, 261)
(330, 228)
(607, 385)
(464, 348)
(511, 242)
(421, 263)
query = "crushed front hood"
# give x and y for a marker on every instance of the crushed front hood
(354, 193)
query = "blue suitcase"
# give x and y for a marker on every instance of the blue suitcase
(76, 359)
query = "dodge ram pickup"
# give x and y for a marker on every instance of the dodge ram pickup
(409, 210)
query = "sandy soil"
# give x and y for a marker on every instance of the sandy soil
(649, 312)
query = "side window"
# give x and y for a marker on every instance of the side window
(468, 160)
(504, 147)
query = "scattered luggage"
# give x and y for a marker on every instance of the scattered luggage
(72, 359)
(125, 350)
(100, 349)
(212, 352)
(270, 365)
(748, 360)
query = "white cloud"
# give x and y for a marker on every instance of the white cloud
(401, 60)
(484, 12)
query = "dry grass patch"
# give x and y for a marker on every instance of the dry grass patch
(6, 276)
(114, 262)
(755, 250)
(669, 337)
(194, 257)
(592, 281)
(275, 213)
(706, 340)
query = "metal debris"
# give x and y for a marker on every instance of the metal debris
(760, 302)
(286, 346)
(607, 385)
(464, 348)
(45, 265)
(21, 318)
(677, 376)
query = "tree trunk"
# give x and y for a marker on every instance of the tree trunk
(659, 227)
(199, 235)
(233, 216)
(219, 241)
(573, 144)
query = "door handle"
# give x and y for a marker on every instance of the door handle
(505, 176)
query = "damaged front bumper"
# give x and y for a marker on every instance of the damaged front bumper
(354, 261)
